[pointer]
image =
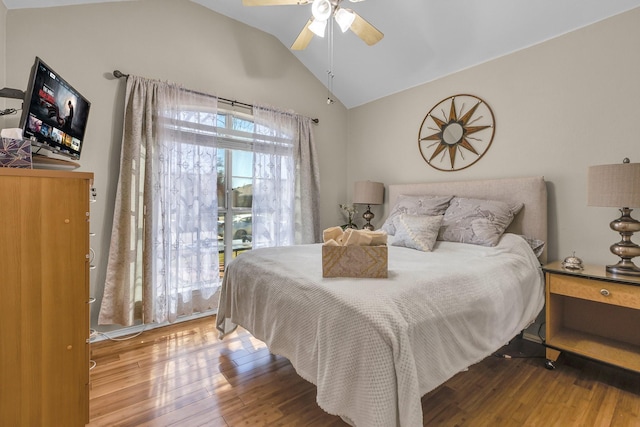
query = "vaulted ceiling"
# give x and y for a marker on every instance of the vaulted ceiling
(423, 39)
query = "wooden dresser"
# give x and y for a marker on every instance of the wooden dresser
(44, 293)
(594, 314)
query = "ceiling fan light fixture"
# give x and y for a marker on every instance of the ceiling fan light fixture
(344, 18)
(321, 9)
(318, 27)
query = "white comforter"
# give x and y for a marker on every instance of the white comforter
(373, 347)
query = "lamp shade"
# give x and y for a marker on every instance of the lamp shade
(344, 18)
(318, 27)
(615, 185)
(321, 9)
(368, 193)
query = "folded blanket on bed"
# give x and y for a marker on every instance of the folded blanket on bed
(335, 236)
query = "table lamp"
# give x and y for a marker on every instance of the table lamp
(618, 186)
(368, 193)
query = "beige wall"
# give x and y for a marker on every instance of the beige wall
(560, 107)
(173, 40)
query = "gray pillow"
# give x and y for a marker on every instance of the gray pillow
(416, 231)
(416, 205)
(477, 221)
(536, 245)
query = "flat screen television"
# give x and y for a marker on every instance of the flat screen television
(54, 114)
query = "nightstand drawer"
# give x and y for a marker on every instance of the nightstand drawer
(599, 291)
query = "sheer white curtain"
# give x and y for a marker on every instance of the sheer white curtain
(163, 259)
(286, 182)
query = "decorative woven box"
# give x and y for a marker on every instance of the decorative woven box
(15, 153)
(354, 261)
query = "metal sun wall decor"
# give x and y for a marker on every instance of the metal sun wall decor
(455, 140)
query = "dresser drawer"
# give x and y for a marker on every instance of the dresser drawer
(594, 290)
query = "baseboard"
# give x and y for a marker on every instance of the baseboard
(133, 331)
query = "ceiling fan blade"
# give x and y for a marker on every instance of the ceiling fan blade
(273, 2)
(367, 32)
(304, 37)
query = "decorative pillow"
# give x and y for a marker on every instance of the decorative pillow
(416, 205)
(537, 245)
(416, 231)
(477, 221)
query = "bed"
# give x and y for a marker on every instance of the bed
(374, 347)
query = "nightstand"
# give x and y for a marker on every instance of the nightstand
(592, 313)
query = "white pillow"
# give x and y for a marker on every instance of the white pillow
(415, 205)
(416, 231)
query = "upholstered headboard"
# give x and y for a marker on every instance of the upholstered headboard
(532, 191)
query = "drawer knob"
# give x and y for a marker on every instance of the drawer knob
(604, 292)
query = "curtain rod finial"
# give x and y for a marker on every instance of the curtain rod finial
(118, 74)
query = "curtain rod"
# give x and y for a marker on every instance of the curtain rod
(118, 74)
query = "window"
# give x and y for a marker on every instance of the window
(235, 185)
(235, 198)
(236, 142)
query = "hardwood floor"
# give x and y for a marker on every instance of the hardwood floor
(183, 375)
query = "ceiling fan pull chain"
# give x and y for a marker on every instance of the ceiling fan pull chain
(330, 62)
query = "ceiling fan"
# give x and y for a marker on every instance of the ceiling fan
(322, 11)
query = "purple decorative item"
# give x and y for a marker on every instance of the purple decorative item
(15, 153)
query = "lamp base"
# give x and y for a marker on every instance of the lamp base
(368, 216)
(624, 268)
(625, 248)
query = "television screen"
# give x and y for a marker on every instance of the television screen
(54, 114)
